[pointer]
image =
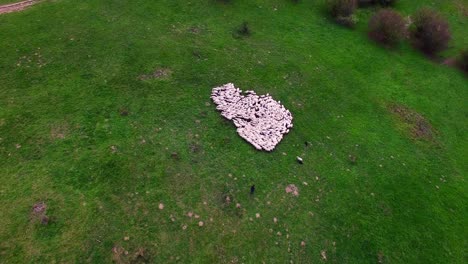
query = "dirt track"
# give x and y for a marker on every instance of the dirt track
(16, 7)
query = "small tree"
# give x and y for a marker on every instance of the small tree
(387, 27)
(430, 32)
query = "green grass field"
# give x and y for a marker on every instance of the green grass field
(80, 131)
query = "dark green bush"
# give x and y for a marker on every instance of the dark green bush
(387, 27)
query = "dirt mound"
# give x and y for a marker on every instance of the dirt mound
(291, 188)
(16, 7)
(419, 126)
(161, 73)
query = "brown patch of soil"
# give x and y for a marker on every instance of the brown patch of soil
(195, 147)
(120, 255)
(291, 188)
(117, 253)
(39, 208)
(123, 111)
(420, 127)
(38, 213)
(161, 73)
(462, 7)
(140, 256)
(175, 156)
(59, 132)
(195, 30)
(380, 257)
(16, 7)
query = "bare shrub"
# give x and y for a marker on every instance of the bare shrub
(430, 32)
(342, 8)
(387, 27)
(462, 61)
(343, 11)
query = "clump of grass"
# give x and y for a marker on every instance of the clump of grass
(430, 32)
(387, 27)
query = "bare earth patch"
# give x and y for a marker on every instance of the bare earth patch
(38, 213)
(419, 126)
(117, 253)
(16, 7)
(291, 188)
(39, 208)
(462, 7)
(58, 132)
(161, 73)
(121, 255)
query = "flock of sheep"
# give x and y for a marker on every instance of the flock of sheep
(259, 119)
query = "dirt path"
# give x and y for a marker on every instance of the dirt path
(16, 7)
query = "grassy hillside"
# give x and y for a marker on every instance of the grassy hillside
(383, 178)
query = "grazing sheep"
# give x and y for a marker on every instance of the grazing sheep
(260, 120)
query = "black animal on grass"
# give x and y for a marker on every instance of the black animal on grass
(242, 31)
